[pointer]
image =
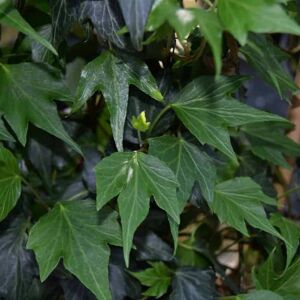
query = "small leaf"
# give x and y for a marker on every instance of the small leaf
(26, 94)
(261, 16)
(239, 200)
(140, 122)
(112, 76)
(18, 268)
(135, 177)
(10, 182)
(104, 15)
(75, 232)
(207, 111)
(157, 278)
(193, 283)
(291, 233)
(136, 13)
(188, 163)
(259, 295)
(286, 284)
(269, 142)
(185, 20)
(12, 18)
(268, 64)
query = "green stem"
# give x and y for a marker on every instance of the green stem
(37, 198)
(140, 138)
(78, 196)
(286, 193)
(156, 120)
(209, 3)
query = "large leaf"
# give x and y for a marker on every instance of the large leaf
(10, 182)
(291, 233)
(239, 200)
(206, 110)
(193, 283)
(75, 232)
(261, 16)
(26, 91)
(112, 76)
(136, 13)
(18, 268)
(268, 64)
(105, 15)
(157, 278)
(135, 177)
(188, 163)
(12, 18)
(185, 20)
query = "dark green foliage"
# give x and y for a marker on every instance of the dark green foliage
(130, 165)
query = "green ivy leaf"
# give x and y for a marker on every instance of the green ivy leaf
(12, 18)
(26, 93)
(4, 132)
(104, 15)
(269, 142)
(268, 64)
(136, 13)
(112, 76)
(18, 269)
(157, 278)
(286, 284)
(291, 233)
(239, 200)
(207, 111)
(135, 177)
(10, 182)
(140, 122)
(75, 232)
(193, 283)
(188, 163)
(259, 295)
(261, 16)
(185, 20)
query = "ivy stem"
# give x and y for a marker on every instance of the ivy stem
(140, 138)
(286, 193)
(158, 117)
(209, 3)
(37, 197)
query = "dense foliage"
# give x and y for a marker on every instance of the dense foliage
(131, 163)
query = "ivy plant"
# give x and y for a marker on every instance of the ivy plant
(134, 163)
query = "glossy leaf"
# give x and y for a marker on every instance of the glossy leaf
(10, 182)
(26, 94)
(268, 64)
(193, 283)
(185, 20)
(135, 177)
(206, 110)
(261, 16)
(104, 15)
(79, 235)
(13, 19)
(158, 278)
(241, 200)
(112, 76)
(188, 163)
(136, 13)
(18, 268)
